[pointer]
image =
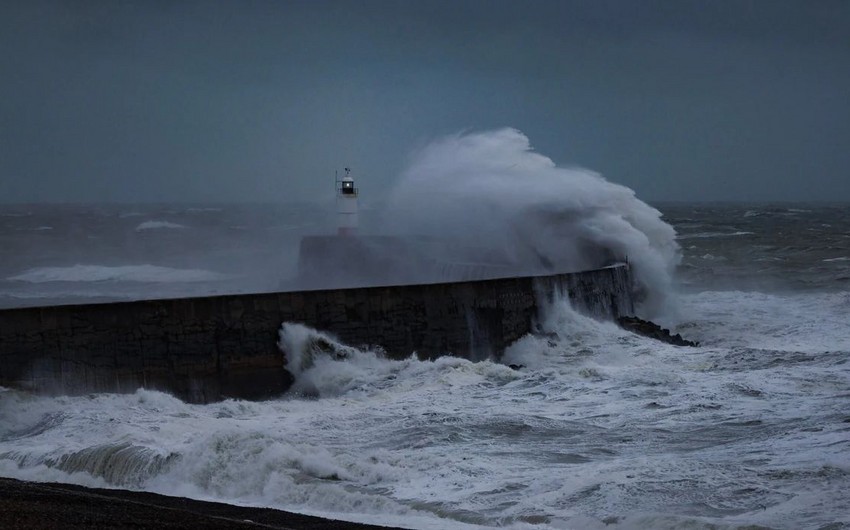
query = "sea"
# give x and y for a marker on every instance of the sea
(600, 428)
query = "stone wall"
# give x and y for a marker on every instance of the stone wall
(206, 349)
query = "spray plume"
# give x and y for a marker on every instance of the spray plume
(491, 190)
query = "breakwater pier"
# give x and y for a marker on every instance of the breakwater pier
(209, 348)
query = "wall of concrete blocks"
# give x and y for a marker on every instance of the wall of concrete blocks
(210, 348)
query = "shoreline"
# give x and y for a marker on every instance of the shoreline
(49, 505)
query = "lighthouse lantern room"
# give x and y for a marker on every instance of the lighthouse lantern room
(346, 204)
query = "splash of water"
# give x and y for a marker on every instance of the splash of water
(302, 344)
(312, 357)
(492, 187)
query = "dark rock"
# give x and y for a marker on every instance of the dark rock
(653, 331)
(30, 505)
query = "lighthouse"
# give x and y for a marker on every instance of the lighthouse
(346, 204)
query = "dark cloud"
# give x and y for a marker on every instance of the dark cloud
(218, 101)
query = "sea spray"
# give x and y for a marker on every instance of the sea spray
(491, 188)
(565, 333)
(302, 344)
(312, 357)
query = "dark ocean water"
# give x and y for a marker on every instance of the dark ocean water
(74, 253)
(77, 253)
(601, 429)
(778, 247)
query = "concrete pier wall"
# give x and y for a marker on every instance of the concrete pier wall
(210, 348)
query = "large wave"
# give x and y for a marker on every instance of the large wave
(492, 188)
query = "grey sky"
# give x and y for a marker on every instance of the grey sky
(262, 100)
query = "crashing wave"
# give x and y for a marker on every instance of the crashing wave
(118, 464)
(491, 186)
(302, 345)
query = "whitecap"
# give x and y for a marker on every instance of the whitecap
(125, 273)
(706, 235)
(157, 225)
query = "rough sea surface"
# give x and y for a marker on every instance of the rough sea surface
(599, 429)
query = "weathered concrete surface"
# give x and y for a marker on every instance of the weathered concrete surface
(206, 349)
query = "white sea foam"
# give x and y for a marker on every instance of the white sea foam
(123, 273)
(491, 188)
(157, 225)
(805, 322)
(599, 428)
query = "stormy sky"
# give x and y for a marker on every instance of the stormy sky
(218, 101)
